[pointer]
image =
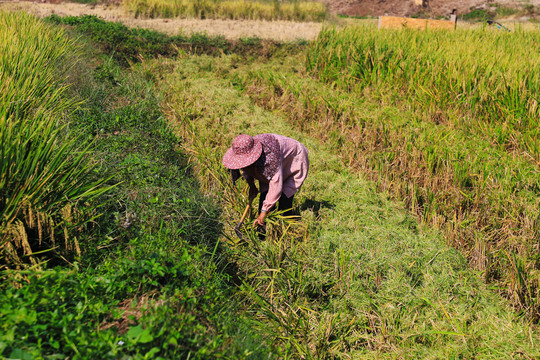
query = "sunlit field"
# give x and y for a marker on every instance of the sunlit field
(418, 223)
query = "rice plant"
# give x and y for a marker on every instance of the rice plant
(229, 9)
(473, 176)
(484, 77)
(45, 175)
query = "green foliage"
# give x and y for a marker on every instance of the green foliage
(130, 306)
(47, 182)
(130, 46)
(478, 15)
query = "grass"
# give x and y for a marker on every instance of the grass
(229, 9)
(153, 281)
(358, 277)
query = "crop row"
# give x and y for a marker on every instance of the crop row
(229, 9)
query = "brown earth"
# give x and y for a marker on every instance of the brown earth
(409, 7)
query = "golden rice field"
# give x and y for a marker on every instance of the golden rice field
(229, 9)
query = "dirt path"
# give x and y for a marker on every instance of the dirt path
(231, 29)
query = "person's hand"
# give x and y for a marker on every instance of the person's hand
(253, 191)
(260, 219)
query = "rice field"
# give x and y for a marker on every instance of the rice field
(228, 9)
(418, 235)
(357, 277)
(457, 141)
(475, 168)
(44, 172)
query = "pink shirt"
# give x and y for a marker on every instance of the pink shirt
(290, 175)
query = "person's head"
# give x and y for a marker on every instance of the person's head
(245, 150)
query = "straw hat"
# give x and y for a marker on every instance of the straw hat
(245, 150)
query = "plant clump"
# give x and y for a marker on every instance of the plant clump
(47, 181)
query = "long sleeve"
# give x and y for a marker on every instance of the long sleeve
(275, 188)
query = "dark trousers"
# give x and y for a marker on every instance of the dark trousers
(284, 203)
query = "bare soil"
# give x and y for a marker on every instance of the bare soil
(433, 8)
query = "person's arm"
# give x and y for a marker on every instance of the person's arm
(235, 175)
(253, 191)
(275, 188)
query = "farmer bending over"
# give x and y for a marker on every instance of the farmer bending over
(279, 163)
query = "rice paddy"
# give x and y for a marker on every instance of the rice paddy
(419, 225)
(229, 9)
(44, 172)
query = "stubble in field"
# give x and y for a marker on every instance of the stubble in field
(231, 29)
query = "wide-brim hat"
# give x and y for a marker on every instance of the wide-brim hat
(245, 150)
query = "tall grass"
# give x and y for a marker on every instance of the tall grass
(229, 9)
(45, 176)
